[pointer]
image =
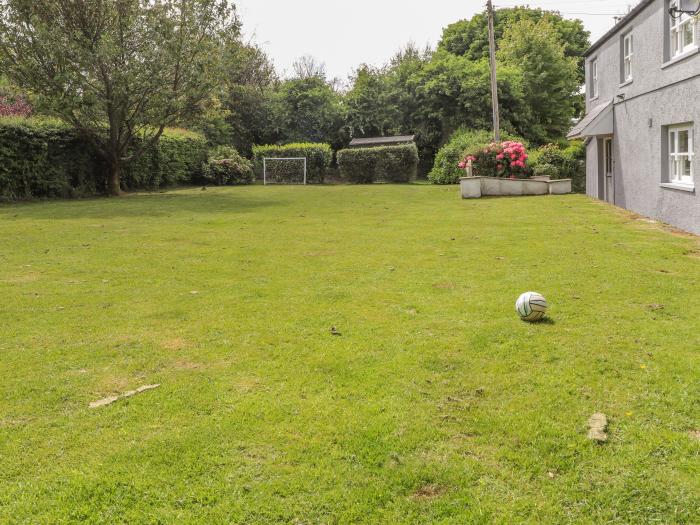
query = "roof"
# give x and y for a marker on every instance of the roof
(597, 122)
(617, 27)
(379, 141)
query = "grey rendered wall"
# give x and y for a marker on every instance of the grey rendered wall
(650, 30)
(661, 93)
(640, 150)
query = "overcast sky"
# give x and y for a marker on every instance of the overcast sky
(348, 33)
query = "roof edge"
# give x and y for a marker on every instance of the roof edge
(617, 27)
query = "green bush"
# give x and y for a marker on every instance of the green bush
(381, 164)
(569, 163)
(318, 160)
(546, 170)
(446, 169)
(46, 158)
(226, 166)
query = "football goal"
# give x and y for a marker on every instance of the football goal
(288, 170)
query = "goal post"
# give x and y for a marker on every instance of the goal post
(268, 177)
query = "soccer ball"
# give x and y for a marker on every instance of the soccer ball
(531, 307)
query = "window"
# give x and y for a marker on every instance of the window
(627, 54)
(682, 33)
(680, 152)
(594, 78)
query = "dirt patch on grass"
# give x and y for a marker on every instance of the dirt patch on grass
(428, 492)
(21, 279)
(177, 343)
(187, 365)
(695, 434)
(445, 285)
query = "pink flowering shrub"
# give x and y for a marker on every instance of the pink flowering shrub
(505, 159)
(17, 107)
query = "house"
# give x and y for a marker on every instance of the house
(642, 127)
(382, 141)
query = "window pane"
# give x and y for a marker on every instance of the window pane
(687, 167)
(683, 142)
(672, 141)
(688, 34)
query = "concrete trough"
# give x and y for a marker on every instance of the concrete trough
(476, 187)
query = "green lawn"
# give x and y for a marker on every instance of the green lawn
(435, 405)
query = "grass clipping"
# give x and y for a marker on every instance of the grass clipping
(131, 393)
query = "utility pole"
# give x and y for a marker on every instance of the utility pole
(494, 83)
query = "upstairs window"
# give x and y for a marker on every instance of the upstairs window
(627, 54)
(594, 78)
(680, 152)
(682, 33)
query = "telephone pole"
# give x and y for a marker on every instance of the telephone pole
(494, 83)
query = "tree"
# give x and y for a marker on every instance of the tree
(550, 82)
(120, 71)
(369, 109)
(250, 84)
(309, 109)
(470, 37)
(308, 67)
(455, 92)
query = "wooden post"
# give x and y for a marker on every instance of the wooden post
(494, 83)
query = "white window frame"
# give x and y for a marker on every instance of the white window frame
(627, 55)
(678, 158)
(594, 78)
(679, 25)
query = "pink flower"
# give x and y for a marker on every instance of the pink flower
(462, 165)
(499, 156)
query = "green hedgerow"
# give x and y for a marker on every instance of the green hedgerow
(381, 164)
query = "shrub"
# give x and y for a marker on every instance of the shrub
(226, 166)
(504, 159)
(14, 107)
(446, 169)
(46, 158)
(546, 170)
(569, 163)
(384, 164)
(318, 159)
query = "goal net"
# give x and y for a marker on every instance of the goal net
(289, 170)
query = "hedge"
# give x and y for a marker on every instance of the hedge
(318, 159)
(381, 164)
(46, 158)
(562, 163)
(446, 169)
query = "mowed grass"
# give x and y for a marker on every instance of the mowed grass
(435, 405)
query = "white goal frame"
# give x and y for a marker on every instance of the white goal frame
(265, 159)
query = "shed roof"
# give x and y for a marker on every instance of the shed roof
(597, 122)
(379, 141)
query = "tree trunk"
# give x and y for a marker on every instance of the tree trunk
(113, 182)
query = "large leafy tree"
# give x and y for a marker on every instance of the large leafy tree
(309, 109)
(120, 71)
(370, 110)
(549, 77)
(470, 38)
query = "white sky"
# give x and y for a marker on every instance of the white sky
(345, 34)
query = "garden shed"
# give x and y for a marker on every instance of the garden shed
(374, 142)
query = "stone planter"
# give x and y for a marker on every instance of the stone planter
(475, 187)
